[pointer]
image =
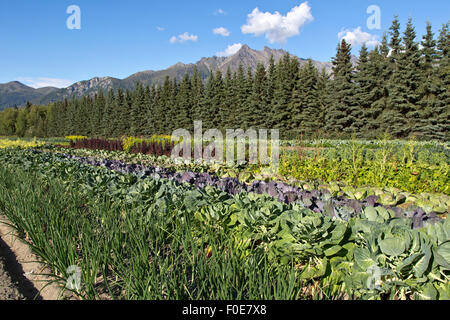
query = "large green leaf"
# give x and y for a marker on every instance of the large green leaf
(407, 264)
(371, 213)
(363, 258)
(350, 248)
(444, 291)
(338, 232)
(415, 242)
(392, 246)
(428, 292)
(314, 269)
(286, 235)
(422, 264)
(439, 231)
(383, 213)
(333, 250)
(444, 251)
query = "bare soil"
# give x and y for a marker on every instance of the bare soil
(9, 289)
(22, 275)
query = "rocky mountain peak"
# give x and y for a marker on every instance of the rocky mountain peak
(246, 56)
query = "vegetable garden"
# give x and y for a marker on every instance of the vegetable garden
(354, 220)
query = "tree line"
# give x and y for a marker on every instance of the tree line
(400, 87)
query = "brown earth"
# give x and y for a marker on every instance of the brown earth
(22, 275)
(9, 288)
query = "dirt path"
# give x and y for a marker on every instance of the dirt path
(12, 285)
(22, 276)
(8, 288)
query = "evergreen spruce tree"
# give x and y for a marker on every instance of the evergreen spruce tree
(197, 95)
(246, 104)
(363, 91)
(126, 118)
(429, 51)
(63, 118)
(230, 101)
(146, 108)
(404, 108)
(152, 127)
(123, 120)
(380, 69)
(94, 117)
(107, 122)
(395, 43)
(256, 115)
(99, 106)
(171, 108)
(341, 115)
(324, 100)
(304, 104)
(83, 116)
(160, 112)
(139, 101)
(207, 105)
(427, 124)
(52, 122)
(184, 105)
(115, 113)
(242, 93)
(443, 73)
(282, 94)
(161, 116)
(270, 87)
(218, 101)
(72, 117)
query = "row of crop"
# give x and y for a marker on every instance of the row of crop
(134, 235)
(383, 142)
(372, 256)
(320, 201)
(439, 203)
(156, 147)
(407, 170)
(19, 143)
(409, 167)
(144, 147)
(125, 249)
(398, 151)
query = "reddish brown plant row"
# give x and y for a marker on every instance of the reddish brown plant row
(151, 147)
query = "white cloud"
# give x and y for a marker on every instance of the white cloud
(357, 37)
(221, 31)
(183, 38)
(230, 50)
(46, 82)
(219, 11)
(275, 26)
(160, 28)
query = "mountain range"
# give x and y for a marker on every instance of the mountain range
(16, 93)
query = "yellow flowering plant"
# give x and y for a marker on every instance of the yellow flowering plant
(18, 143)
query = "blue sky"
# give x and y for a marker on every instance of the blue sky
(119, 38)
